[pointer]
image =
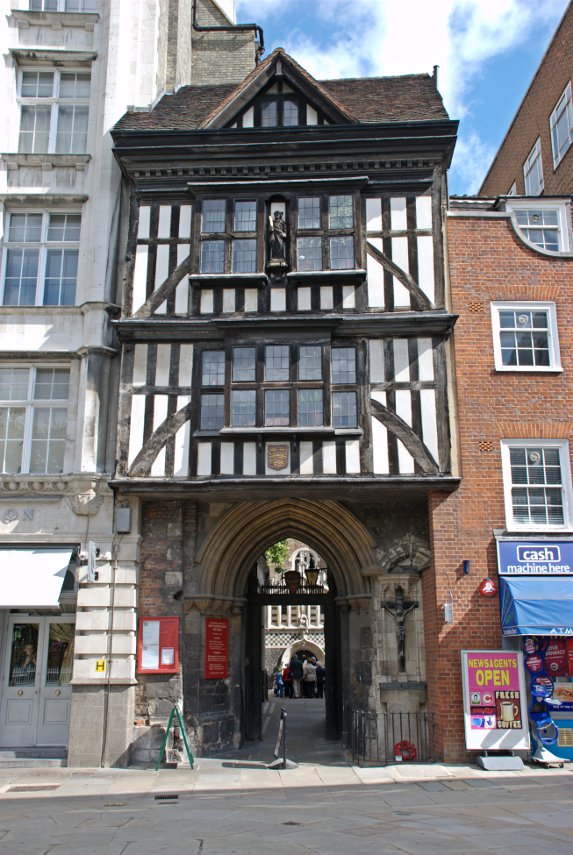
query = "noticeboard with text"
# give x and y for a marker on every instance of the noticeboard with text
(216, 648)
(495, 703)
(158, 645)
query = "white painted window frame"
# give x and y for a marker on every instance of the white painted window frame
(563, 112)
(554, 353)
(567, 492)
(53, 102)
(533, 164)
(563, 208)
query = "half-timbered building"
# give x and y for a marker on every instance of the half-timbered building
(284, 334)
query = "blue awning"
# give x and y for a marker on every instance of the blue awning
(536, 605)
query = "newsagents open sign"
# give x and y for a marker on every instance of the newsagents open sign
(535, 558)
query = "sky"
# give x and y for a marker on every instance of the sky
(487, 52)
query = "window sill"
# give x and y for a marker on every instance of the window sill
(58, 20)
(347, 277)
(229, 279)
(46, 162)
(517, 369)
(283, 432)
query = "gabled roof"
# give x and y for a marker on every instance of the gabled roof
(408, 98)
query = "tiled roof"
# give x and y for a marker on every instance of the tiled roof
(409, 98)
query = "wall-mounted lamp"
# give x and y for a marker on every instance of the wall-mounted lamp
(449, 609)
(466, 565)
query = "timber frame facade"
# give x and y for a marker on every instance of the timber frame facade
(284, 333)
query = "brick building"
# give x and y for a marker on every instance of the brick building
(536, 155)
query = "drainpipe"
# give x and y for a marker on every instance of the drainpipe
(230, 28)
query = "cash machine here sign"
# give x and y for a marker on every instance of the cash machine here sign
(535, 558)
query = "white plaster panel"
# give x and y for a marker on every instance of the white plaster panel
(305, 457)
(400, 257)
(228, 300)
(376, 347)
(329, 458)
(140, 365)
(251, 299)
(352, 457)
(182, 295)
(227, 458)
(185, 364)
(423, 212)
(426, 278)
(303, 299)
(182, 440)
(326, 297)
(274, 472)
(164, 227)
(140, 277)
(136, 427)
(429, 421)
(375, 273)
(278, 300)
(249, 118)
(379, 447)
(398, 219)
(144, 220)
(348, 297)
(404, 405)
(405, 460)
(161, 265)
(206, 307)
(311, 115)
(185, 221)
(160, 404)
(425, 359)
(374, 215)
(401, 360)
(162, 365)
(249, 458)
(99, 619)
(203, 458)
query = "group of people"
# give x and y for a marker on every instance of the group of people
(303, 677)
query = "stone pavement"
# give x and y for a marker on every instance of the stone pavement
(237, 806)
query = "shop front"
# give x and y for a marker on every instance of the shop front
(536, 601)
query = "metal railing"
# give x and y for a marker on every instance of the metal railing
(391, 737)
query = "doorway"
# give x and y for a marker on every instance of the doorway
(36, 690)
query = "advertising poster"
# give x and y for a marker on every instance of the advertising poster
(216, 648)
(495, 704)
(549, 662)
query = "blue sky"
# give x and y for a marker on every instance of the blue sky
(487, 52)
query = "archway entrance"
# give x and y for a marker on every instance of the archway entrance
(260, 595)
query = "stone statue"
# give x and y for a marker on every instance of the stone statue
(399, 608)
(277, 240)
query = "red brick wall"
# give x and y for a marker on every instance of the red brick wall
(532, 121)
(487, 262)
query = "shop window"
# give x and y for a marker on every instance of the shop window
(545, 224)
(561, 124)
(54, 111)
(33, 419)
(533, 171)
(537, 483)
(525, 337)
(41, 259)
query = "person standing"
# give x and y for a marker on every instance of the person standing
(297, 675)
(320, 675)
(287, 681)
(309, 678)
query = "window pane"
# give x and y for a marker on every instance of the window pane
(245, 256)
(14, 384)
(245, 216)
(48, 440)
(310, 362)
(23, 655)
(12, 424)
(344, 414)
(277, 363)
(520, 346)
(277, 407)
(309, 253)
(341, 215)
(343, 365)
(61, 277)
(309, 212)
(51, 384)
(342, 253)
(290, 112)
(64, 227)
(243, 408)
(75, 85)
(269, 113)
(213, 368)
(212, 412)
(212, 256)
(60, 654)
(21, 277)
(537, 494)
(37, 84)
(213, 219)
(310, 409)
(244, 364)
(72, 133)
(25, 227)
(35, 129)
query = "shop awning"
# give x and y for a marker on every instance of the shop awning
(536, 605)
(32, 577)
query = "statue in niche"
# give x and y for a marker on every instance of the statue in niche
(277, 240)
(399, 607)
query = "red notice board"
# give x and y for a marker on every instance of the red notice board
(158, 645)
(216, 648)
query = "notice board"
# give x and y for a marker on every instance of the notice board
(216, 648)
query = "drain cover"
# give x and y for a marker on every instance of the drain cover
(33, 788)
(166, 797)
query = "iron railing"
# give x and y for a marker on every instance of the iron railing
(391, 737)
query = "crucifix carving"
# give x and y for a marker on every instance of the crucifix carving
(399, 607)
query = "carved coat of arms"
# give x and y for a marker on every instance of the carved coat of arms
(277, 457)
